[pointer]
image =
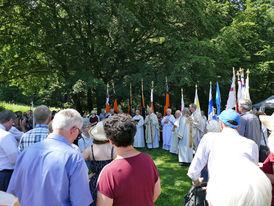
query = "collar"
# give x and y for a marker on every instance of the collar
(41, 125)
(59, 137)
(229, 130)
(2, 127)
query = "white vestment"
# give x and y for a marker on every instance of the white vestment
(197, 127)
(167, 130)
(139, 139)
(185, 140)
(174, 141)
(152, 131)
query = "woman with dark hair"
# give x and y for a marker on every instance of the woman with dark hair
(132, 178)
(100, 154)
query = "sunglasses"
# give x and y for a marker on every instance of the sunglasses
(80, 134)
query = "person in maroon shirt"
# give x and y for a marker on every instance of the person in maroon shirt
(132, 178)
(268, 165)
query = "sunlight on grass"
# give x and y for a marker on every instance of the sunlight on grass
(174, 181)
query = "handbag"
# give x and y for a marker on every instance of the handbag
(196, 196)
(263, 151)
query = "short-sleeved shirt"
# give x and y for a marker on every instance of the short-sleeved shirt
(268, 169)
(129, 181)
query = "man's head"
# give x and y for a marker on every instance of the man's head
(6, 118)
(93, 113)
(149, 110)
(133, 111)
(111, 111)
(245, 105)
(177, 114)
(186, 112)
(137, 112)
(68, 123)
(168, 111)
(42, 115)
(192, 108)
(120, 130)
(229, 118)
(103, 111)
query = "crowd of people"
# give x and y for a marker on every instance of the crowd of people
(65, 158)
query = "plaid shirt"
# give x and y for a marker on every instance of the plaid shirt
(39, 133)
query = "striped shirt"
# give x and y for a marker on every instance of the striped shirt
(39, 133)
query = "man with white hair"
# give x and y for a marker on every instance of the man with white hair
(175, 129)
(225, 146)
(167, 123)
(42, 117)
(250, 124)
(51, 172)
(152, 129)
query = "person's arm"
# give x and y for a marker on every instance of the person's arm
(103, 200)
(10, 148)
(157, 190)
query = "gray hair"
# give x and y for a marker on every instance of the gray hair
(41, 114)
(213, 126)
(186, 111)
(86, 123)
(6, 116)
(246, 104)
(66, 119)
(193, 106)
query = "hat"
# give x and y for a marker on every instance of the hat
(268, 121)
(98, 132)
(230, 115)
(92, 112)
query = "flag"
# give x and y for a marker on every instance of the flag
(239, 92)
(247, 95)
(166, 99)
(218, 99)
(196, 101)
(210, 104)
(130, 100)
(243, 83)
(151, 100)
(115, 104)
(231, 101)
(107, 101)
(143, 108)
(182, 100)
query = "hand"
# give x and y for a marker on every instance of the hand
(198, 182)
(260, 164)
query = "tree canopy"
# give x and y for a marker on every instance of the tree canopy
(63, 53)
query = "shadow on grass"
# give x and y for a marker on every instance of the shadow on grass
(174, 181)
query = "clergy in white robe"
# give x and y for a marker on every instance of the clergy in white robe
(167, 123)
(185, 138)
(152, 130)
(174, 141)
(197, 127)
(139, 139)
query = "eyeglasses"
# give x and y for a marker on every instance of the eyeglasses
(80, 134)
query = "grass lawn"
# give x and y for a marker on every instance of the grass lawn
(174, 181)
(19, 107)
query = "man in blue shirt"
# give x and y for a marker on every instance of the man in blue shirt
(51, 172)
(42, 117)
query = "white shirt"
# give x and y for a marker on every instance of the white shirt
(216, 148)
(8, 149)
(16, 133)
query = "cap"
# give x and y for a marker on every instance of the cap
(230, 115)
